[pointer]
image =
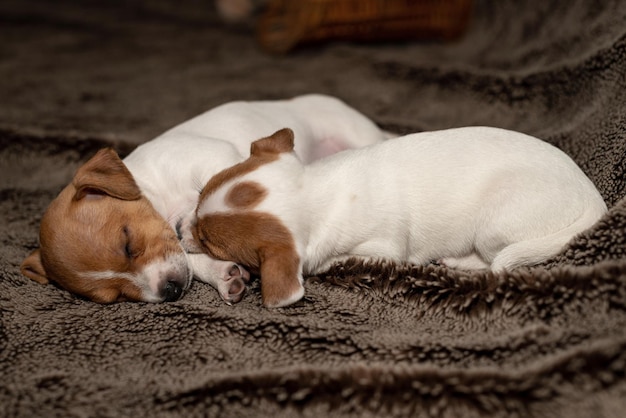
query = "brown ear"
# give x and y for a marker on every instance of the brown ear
(105, 174)
(33, 268)
(280, 141)
(280, 283)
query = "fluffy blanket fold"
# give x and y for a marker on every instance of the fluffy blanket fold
(370, 339)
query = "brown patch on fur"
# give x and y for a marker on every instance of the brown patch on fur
(245, 195)
(259, 241)
(262, 151)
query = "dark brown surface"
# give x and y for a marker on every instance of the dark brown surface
(369, 339)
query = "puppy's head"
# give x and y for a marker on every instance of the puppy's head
(103, 240)
(230, 226)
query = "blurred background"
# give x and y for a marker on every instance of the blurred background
(129, 69)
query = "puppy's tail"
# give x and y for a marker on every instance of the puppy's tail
(537, 250)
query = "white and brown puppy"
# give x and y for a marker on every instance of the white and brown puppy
(472, 198)
(114, 232)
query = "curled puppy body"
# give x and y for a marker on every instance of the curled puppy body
(115, 232)
(474, 197)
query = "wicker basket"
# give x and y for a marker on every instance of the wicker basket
(287, 23)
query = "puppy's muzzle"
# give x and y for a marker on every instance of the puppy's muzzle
(176, 282)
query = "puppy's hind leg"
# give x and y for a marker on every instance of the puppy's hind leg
(469, 262)
(537, 250)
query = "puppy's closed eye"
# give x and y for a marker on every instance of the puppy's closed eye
(129, 250)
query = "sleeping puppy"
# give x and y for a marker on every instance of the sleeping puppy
(471, 198)
(114, 233)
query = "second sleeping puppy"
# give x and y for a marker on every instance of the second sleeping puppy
(473, 197)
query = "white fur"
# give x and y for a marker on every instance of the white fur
(472, 197)
(172, 169)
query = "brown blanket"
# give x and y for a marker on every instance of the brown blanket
(369, 339)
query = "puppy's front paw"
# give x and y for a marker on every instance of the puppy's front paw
(233, 284)
(228, 278)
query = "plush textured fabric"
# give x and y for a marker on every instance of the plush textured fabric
(370, 339)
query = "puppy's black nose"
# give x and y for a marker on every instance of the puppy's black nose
(173, 291)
